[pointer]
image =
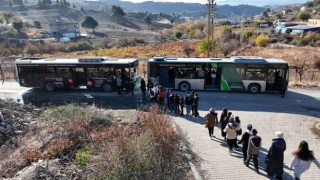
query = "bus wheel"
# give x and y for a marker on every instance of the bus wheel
(254, 88)
(184, 86)
(107, 87)
(49, 86)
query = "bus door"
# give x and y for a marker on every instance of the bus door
(166, 76)
(80, 77)
(273, 78)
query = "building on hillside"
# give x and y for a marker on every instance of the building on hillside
(287, 11)
(264, 24)
(314, 22)
(64, 29)
(187, 19)
(302, 29)
(305, 8)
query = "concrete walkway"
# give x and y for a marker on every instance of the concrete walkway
(292, 119)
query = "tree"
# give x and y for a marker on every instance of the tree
(117, 11)
(147, 20)
(228, 47)
(265, 14)
(205, 45)
(90, 23)
(304, 16)
(46, 2)
(37, 24)
(7, 17)
(18, 25)
(178, 34)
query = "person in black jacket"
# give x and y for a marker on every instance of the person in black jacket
(187, 101)
(176, 103)
(245, 140)
(275, 157)
(222, 122)
(143, 87)
(181, 104)
(195, 105)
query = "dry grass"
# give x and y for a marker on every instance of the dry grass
(146, 148)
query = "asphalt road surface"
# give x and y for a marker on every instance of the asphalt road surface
(297, 101)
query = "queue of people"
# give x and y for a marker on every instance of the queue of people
(251, 145)
(230, 130)
(186, 104)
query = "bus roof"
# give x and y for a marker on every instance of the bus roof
(89, 60)
(233, 59)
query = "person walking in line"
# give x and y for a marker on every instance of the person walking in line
(187, 101)
(212, 120)
(152, 95)
(254, 146)
(167, 100)
(191, 101)
(238, 129)
(245, 141)
(176, 103)
(143, 87)
(161, 95)
(302, 160)
(171, 102)
(131, 87)
(119, 84)
(223, 124)
(275, 157)
(181, 105)
(231, 136)
(196, 104)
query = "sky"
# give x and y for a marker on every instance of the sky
(233, 2)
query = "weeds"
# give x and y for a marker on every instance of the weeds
(148, 148)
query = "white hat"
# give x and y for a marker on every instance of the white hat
(279, 134)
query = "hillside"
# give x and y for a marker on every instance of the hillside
(195, 10)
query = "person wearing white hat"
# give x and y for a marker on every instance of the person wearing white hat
(275, 157)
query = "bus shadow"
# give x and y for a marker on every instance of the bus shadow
(292, 103)
(111, 100)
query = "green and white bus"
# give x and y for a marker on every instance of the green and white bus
(238, 73)
(80, 73)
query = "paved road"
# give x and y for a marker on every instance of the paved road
(268, 113)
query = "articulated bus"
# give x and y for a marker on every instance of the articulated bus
(82, 73)
(251, 74)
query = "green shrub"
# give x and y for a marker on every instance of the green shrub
(262, 40)
(82, 157)
(178, 34)
(122, 42)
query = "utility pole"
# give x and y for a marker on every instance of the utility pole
(210, 35)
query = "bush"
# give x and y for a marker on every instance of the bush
(82, 157)
(308, 38)
(262, 40)
(178, 34)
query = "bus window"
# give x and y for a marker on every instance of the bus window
(50, 72)
(63, 72)
(154, 70)
(92, 72)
